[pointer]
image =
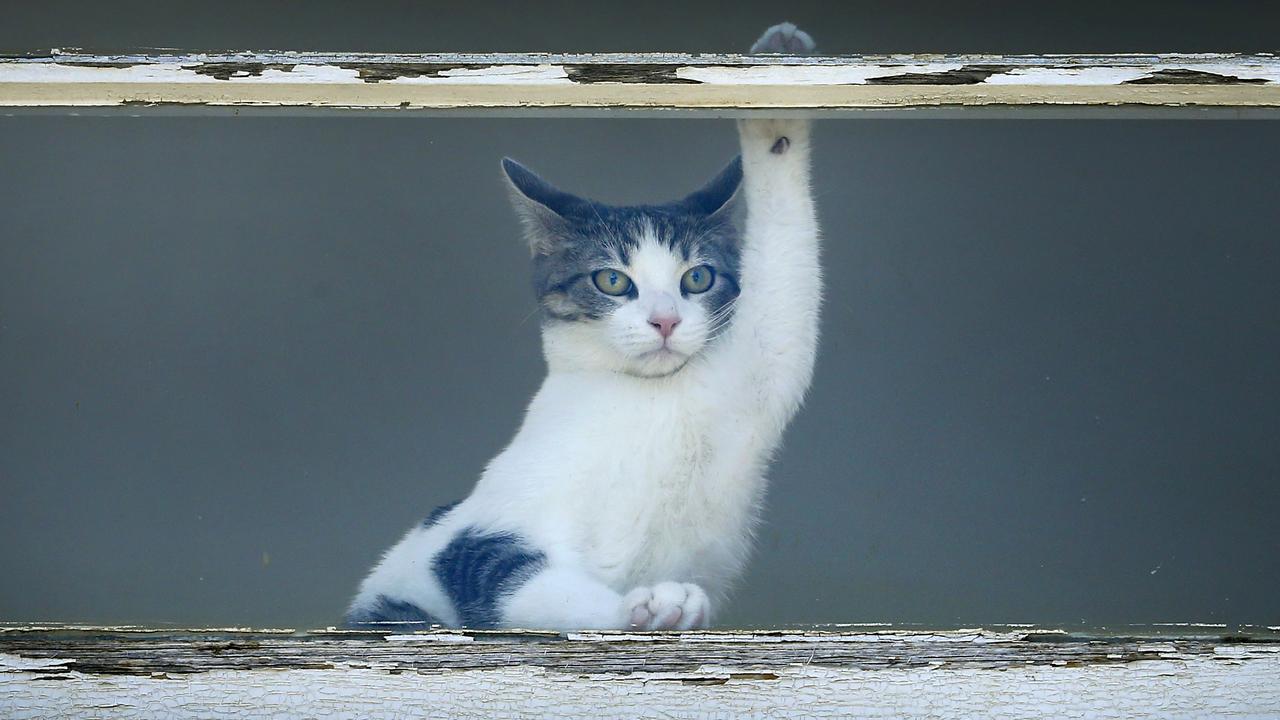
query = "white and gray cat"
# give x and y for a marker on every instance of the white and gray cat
(679, 340)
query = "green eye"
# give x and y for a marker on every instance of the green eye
(612, 282)
(698, 279)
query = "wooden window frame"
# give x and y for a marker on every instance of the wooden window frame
(1172, 84)
(1176, 670)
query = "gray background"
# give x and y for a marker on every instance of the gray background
(239, 356)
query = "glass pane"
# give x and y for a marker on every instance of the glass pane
(239, 358)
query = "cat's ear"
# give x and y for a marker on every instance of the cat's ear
(542, 207)
(717, 196)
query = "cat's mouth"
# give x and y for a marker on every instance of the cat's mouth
(664, 351)
(659, 362)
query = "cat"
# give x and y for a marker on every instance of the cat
(679, 340)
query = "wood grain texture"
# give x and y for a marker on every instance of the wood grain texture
(1181, 672)
(636, 81)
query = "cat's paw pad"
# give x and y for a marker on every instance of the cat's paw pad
(779, 136)
(667, 606)
(784, 39)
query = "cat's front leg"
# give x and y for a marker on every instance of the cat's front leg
(772, 342)
(562, 598)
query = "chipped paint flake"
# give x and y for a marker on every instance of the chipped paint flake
(495, 75)
(167, 72)
(811, 75)
(1068, 76)
(437, 637)
(13, 663)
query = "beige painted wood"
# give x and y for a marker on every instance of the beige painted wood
(637, 81)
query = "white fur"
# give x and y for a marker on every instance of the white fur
(639, 471)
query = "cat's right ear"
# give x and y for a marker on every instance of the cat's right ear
(716, 198)
(542, 207)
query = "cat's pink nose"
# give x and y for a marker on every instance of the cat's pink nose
(664, 324)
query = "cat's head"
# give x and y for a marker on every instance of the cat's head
(639, 289)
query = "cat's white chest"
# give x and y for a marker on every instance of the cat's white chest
(645, 504)
(653, 496)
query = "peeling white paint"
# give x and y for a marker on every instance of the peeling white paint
(58, 73)
(1195, 688)
(141, 629)
(1068, 76)
(507, 80)
(432, 638)
(1241, 652)
(303, 75)
(971, 636)
(511, 674)
(10, 662)
(809, 75)
(495, 75)
(168, 72)
(1243, 70)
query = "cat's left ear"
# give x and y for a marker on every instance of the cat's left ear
(717, 196)
(543, 208)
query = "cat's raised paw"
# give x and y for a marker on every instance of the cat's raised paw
(667, 606)
(784, 39)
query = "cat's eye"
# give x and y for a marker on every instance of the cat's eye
(698, 279)
(612, 282)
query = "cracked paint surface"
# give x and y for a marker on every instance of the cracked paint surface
(1173, 688)
(636, 81)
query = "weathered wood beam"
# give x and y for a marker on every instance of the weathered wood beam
(1182, 672)
(61, 79)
